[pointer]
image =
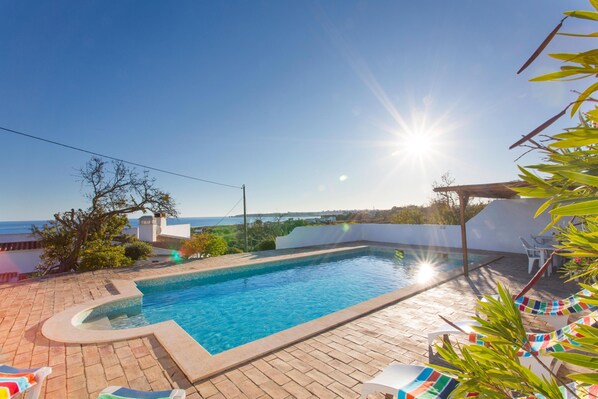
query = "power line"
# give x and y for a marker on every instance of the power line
(228, 213)
(117, 159)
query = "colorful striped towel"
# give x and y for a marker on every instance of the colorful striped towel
(569, 305)
(549, 342)
(583, 391)
(429, 384)
(12, 384)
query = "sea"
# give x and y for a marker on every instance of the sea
(24, 226)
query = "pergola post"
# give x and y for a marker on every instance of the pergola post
(463, 199)
(490, 190)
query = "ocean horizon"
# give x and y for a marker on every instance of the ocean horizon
(24, 226)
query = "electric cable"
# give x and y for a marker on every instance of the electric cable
(116, 159)
(228, 213)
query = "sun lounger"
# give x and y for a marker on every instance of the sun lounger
(419, 382)
(556, 313)
(126, 393)
(14, 381)
(409, 381)
(541, 344)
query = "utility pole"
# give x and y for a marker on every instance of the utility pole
(245, 219)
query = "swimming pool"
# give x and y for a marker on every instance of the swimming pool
(227, 308)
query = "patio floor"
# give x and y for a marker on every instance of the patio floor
(330, 365)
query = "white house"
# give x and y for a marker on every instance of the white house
(153, 228)
(19, 254)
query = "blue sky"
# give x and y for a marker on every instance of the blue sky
(307, 103)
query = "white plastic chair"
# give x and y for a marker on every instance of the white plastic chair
(533, 255)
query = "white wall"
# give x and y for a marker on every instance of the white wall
(498, 228)
(147, 232)
(19, 261)
(306, 236)
(176, 230)
(414, 234)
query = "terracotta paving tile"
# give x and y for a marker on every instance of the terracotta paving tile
(257, 376)
(296, 390)
(275, 390)
(320, 391)
(207, 389)
(319, 377)
(342, 391)
(228, 389)
(250, 389)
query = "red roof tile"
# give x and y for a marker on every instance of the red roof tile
(19, 246)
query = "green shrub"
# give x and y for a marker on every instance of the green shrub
(266, 245)
(102, 255)
(203, 245)
(215, 246)
(234, 250)
(138, 250)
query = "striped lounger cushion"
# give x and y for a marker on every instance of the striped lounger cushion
(566, 306)
(429, 384)
(12, 384)
(548, 342)
(583, 391)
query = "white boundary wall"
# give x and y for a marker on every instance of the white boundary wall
(176, 230)
(19, 261)
(497, 228)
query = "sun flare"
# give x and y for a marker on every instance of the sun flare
(418, 144)
(425, 272)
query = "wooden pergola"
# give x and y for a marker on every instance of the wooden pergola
(490, 190)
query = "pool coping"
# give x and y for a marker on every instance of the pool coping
(196, 362)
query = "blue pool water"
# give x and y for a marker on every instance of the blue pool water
(225, 309)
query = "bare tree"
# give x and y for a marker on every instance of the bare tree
(114, 192)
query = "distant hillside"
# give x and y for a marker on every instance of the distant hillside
(297, 214)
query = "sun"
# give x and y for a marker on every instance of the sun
(418, 144)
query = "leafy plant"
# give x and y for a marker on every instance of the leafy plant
(567, 180)
(203, 245)
(138, 250)
(493, 370)
(102, 255)
(266, 245)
